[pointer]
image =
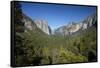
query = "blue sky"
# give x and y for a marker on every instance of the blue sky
(57, 15)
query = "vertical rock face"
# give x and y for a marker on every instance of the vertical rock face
(89, 21)
(33, 24)
(43, 25)
(28, 23)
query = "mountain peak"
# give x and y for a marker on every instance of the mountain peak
(74, 27)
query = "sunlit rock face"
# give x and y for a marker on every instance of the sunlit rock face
(68, 29)
(89, 21)
(43, 25)
(38, 23)
(28, 23)
(74, 27)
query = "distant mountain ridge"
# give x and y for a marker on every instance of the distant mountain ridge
(74, 27)
(64, 30)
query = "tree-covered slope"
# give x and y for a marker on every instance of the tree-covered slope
(39, 48)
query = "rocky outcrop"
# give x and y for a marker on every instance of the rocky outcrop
(28, 23)
(89, 21)
(43, 25)
(68, 29)
(74, 27)
(33, 24)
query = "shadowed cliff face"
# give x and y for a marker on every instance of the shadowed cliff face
(74, 27)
